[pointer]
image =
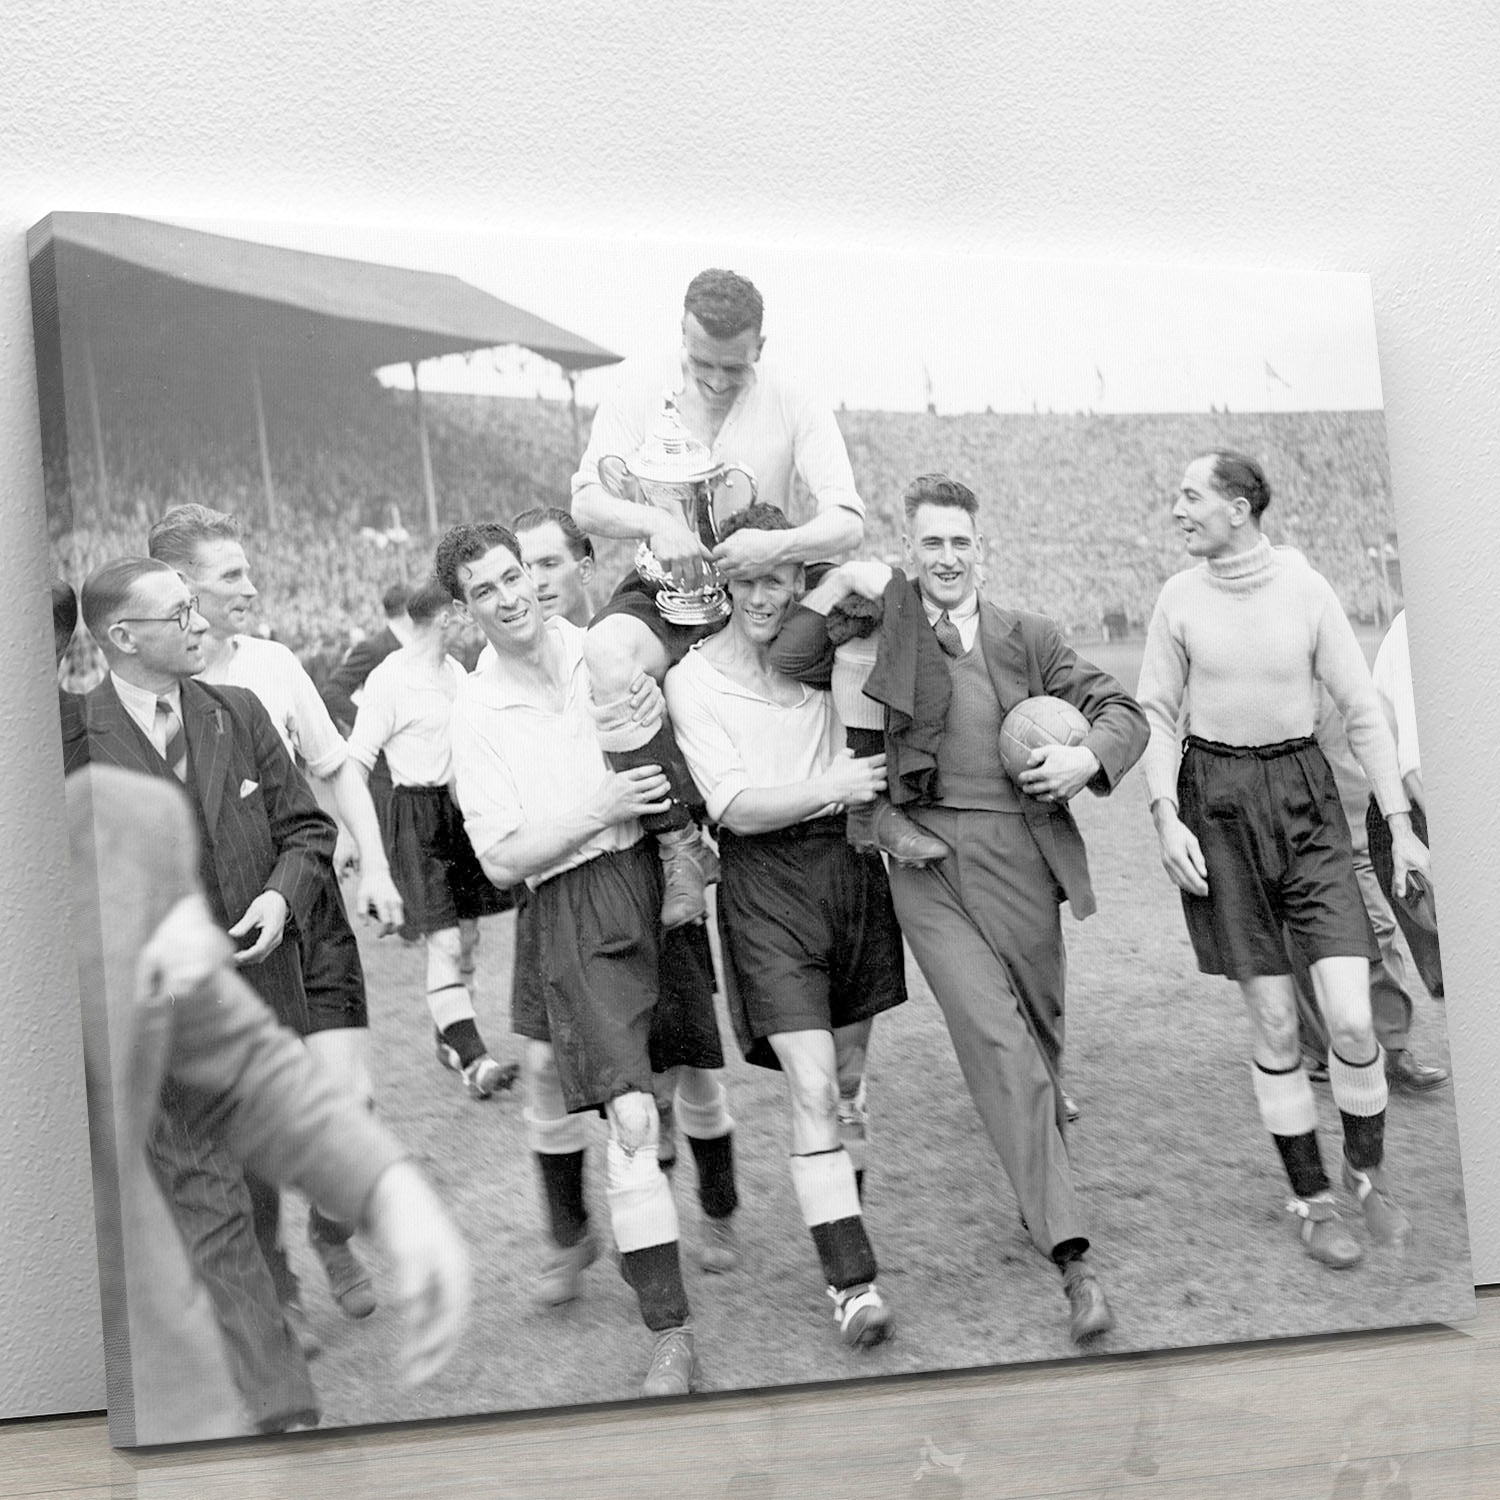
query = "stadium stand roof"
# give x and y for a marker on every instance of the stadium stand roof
(157, 284)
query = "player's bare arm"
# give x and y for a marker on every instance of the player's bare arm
(1409, 855)
(1181, 854)
(619, 797)
(859, 576)
(847, 781)
(377, 897)
(672, 543)
(749, 552)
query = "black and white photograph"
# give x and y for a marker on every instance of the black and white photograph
(666, 817)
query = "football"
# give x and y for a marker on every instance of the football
(1036, 722)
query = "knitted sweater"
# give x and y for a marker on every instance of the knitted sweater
(1241, 643)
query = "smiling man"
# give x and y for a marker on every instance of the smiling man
(1252, 832)
(265, 849)
(541, 806)
(746, 414)
(984, 921)
(809, 938)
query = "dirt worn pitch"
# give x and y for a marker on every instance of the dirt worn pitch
(1182, 1187)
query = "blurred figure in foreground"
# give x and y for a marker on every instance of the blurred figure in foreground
(164, 1009)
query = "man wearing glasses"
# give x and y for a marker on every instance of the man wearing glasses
(266, 849)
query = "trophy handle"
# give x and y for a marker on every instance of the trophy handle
(721, 489)
(615, 476)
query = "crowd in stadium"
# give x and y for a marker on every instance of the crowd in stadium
(1074, 507)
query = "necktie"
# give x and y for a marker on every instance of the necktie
(176, 751)
(948, 636)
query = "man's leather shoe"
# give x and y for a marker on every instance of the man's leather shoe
(1408, 1076)
(882, 827)
(1091, 1316)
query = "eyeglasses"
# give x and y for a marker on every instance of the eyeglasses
(182, 615)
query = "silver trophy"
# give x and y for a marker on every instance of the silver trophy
(678, 474)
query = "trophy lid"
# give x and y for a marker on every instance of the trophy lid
(670, 453)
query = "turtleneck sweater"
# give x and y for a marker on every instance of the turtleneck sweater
(1241, 643)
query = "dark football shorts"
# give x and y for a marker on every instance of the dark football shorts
(1278, 851)
(596, 977)
(332, 974)
(808, 932)
(635, 597)
(433, 864)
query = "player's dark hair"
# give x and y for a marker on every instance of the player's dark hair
(938, 489)
(464, 544)
(428, 600)
(1237, 475)
(757, 517)
(64, 615)
(580, 543)
(725, 303)
(174, 539)
(393, 601)
(108, 589)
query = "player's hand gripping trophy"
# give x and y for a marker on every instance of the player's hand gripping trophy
(673, 471)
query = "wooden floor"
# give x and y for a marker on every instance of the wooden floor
(1410, 1415)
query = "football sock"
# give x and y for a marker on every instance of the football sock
(1361, 1093)
(448, 1003)
(644, 1220)
(1290, 1113)
(864, 742)
(829, 1199)
(717, 1193)
(655, 1275)
(562, 1191)
(463, 1037)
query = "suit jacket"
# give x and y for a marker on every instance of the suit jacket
(349, 676)
(1026, 657)
(262, 829)
(161, 1005)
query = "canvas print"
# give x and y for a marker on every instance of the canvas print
(670, 817)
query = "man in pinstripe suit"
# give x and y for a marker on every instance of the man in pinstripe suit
(266, 846)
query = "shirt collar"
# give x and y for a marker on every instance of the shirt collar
(497, 689)
(141, 701)
(959, 614)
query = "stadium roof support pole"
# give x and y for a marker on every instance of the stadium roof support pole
(260, 433)
(573, 410)
(96, 426)
(432, 515)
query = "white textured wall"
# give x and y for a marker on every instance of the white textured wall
(1362, 140)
